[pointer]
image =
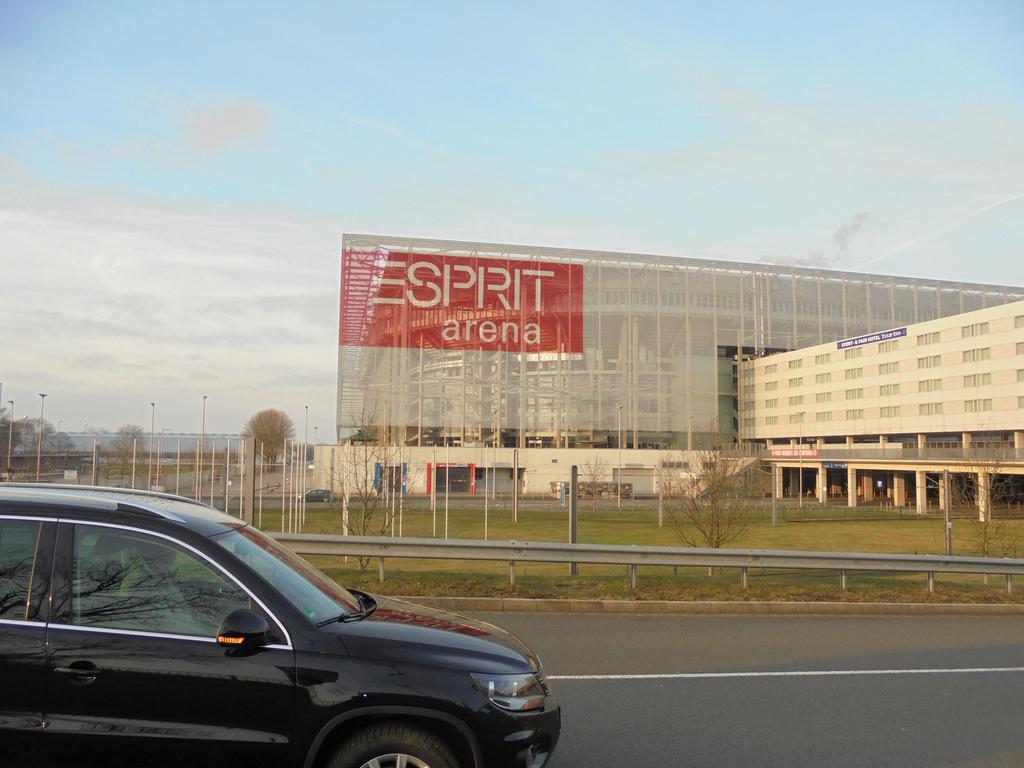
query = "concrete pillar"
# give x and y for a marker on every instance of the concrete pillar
(819, 442)
(792, 441)
(922, 442)
(882, 440)
(779, 488)
(942, 495)
(822, 487)
(921, 492)
(849, 441)
(1018, 444)
(899, 489)
(867, 489)
(965, 440)
(984, 496)
(851, 487)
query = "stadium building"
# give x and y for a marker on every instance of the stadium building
(455, 343)
(487, 349)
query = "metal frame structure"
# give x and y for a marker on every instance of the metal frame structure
(661, 339)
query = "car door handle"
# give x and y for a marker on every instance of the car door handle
(80, 672)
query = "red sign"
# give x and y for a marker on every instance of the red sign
(431, 301)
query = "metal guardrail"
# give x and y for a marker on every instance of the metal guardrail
(635, 556)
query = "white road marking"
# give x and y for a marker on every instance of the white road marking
(792, 673)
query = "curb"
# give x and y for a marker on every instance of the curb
(552, 605)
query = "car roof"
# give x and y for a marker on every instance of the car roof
(190, 513)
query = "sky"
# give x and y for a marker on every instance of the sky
(175, 178)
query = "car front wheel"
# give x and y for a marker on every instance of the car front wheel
(393, 745)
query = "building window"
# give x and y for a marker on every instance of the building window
(977, 379)
(797, 382)
(795, 364)
(887, 390)
(929, 385)
(929, 409)
(822, 359)
(823, 416)
(854, 373)
(771, 368)
(1018, 321)
(976, 355)
(928, 338)
(885, 368)
(974, 329)
(888, 346)
(748, 389)
(850, 354)
(771, 403)
(823, 397)
(854, 394)
(855, 414)
(771, 386)
(748, 405)
(1020, 401)
(1020, 375)
(749, 422)
(977, 406)
(796, 418)
(1020, 347)
(889, 411)
(771, 421)
(796, 400)
(822, 378)
(933, 361)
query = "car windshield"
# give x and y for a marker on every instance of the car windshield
(304, 586)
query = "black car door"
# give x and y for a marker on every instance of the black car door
(25, 548)
(135, 673)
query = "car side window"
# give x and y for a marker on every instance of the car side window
(127, 580)
(19, 540)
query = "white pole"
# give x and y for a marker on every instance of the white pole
(199, 455)
(447, 482)
(227, 476)
(152, 429)
(134, 441)
(259, 513)
(213, 466)
(241, 474)
(177, 469)
(433, 492)
(284, 474)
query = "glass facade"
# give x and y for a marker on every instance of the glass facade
(476, 343)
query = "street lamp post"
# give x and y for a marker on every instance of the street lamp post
(199, 454)
(689, 432)
(39, 442)
(152, 429)
(10, 441)
(800, 457)
(618, 472)
(305, 463)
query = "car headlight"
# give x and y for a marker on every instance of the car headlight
(516, 693)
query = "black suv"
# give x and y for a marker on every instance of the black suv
(145, 629)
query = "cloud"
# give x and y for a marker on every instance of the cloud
(846, 233)
(216, 128)
(110, 305)
(842, 237)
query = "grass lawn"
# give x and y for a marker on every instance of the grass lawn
(812, 528)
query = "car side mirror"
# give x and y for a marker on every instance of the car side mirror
(243, 629)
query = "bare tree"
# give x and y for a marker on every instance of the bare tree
(123, 448)
(270, 427)
(593, 472)
(709, 506)
(986, 486)
(367, 474)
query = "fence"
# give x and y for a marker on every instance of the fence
(634, 556)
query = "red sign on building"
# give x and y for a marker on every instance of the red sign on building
(431, 301)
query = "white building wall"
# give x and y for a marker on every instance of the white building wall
(963, 373)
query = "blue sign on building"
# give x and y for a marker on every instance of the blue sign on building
(872, 338)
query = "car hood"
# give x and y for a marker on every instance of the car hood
(401, 631)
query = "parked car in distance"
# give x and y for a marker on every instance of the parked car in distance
(146, 629)
(318, 494)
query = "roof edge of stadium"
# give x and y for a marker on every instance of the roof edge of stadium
(588, 253)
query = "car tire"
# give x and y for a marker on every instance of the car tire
(390, 745)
